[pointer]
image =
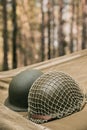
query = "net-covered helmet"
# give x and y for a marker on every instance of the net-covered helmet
(54, 95)
(19, 87)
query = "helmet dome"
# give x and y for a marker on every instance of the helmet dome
(19, 87)
(54, 95)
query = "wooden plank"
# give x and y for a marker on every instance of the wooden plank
(76, 121)
(3, 85)
(6, 80)
(10, 120)
(46, 64)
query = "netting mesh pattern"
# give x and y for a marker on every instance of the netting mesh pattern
(56, 94)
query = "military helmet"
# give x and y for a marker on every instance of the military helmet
(54, 95)
(19, 87)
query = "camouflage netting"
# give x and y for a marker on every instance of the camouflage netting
(55, 94)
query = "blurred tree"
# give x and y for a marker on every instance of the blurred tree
(53, 28)
(5, 36)
(51, 48)
(42, 36)
(49, 29)
(31, 40)
(84, 25)
(14, 37)
(72, 26)
(77, 23)
(27, 24)
(61, 37)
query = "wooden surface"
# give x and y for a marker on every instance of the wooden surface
(10, 120)
(74, 64)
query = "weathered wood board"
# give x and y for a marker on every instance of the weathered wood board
(74, 64)
(10, 120)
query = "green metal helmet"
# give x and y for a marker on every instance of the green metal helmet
(54, 95)
(18, 89)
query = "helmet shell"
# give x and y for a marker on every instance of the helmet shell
(19, 88)
(54, 94)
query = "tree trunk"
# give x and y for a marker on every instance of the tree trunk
(84, 30)
(49, 31)
(5, 36)
(61, 47)
(14, 38)
(42, 36)
(77, 24)
(72, 22)
(53, 31)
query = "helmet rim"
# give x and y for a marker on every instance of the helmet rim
(13, 107)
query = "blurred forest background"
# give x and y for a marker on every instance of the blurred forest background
(32, 31)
